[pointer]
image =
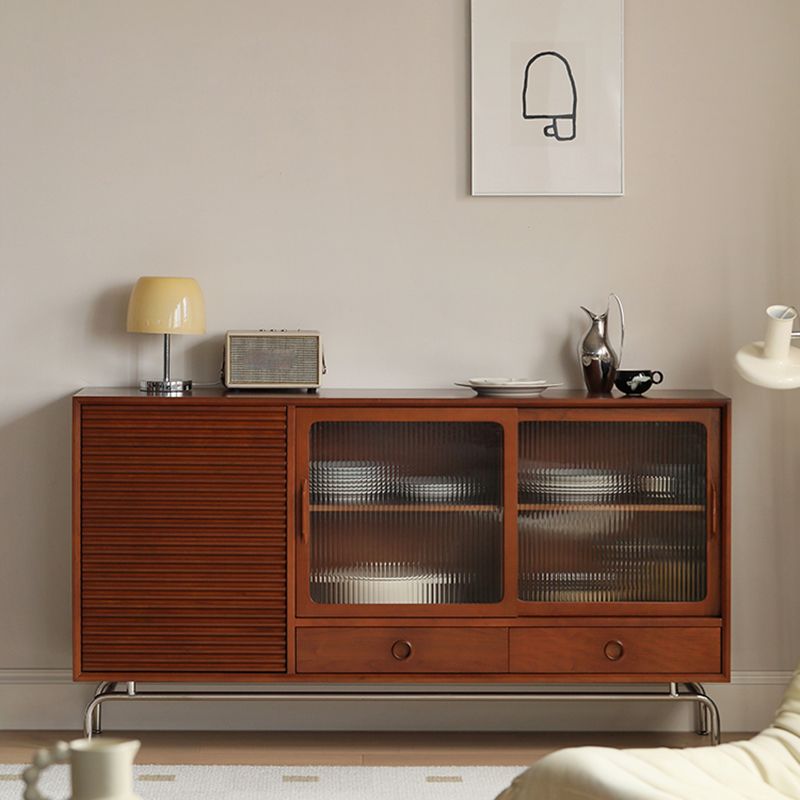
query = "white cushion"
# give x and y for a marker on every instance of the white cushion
(766, 767)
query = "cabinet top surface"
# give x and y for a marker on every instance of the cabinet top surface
(460, 397)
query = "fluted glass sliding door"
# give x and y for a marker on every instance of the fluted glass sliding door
(402, 512)
(614, 513)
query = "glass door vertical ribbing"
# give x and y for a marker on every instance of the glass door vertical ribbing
(612, 512)
(405, 513)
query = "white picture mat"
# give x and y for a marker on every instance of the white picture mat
(510, 154)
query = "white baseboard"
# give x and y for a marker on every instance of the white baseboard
(761, 678)
(47, 699)
(33, 676)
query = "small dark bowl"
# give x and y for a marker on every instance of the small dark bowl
(637, 381)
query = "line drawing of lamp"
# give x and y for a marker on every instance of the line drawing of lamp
(549, 92)
(773, 363)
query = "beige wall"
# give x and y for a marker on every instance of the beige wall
(307, 161)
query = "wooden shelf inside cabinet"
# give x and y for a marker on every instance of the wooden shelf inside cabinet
(612, 507)
(428, 507)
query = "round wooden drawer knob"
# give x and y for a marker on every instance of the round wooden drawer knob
(401, 650)
(614, 650)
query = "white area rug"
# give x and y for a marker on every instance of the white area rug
(164, 782)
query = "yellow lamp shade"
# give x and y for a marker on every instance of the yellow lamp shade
(166, 305)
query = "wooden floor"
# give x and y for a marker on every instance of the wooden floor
(350, 748)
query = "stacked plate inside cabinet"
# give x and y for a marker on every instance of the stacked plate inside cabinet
(388, 583)
(669, 481)
(440, 488)
(657, 485)
(575, 587)
(507, 387)
(351, 481)
(565, 526)
(577, 485)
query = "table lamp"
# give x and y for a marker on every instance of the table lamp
(773, 363)
(167, 306)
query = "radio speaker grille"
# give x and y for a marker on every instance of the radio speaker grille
(274, 359)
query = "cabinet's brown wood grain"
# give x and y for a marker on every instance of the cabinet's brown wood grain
(183, 539)
(615, 650)
(182, 564)
(402, 650)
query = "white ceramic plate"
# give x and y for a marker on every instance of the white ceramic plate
(508, 390)
(499, 383)
(388, 583)
(438, 488)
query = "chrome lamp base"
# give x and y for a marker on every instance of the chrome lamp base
(165, 387)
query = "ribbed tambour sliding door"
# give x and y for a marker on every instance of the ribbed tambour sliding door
(183, 542)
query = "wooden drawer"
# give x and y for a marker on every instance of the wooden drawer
(611, 650)
(398, 650)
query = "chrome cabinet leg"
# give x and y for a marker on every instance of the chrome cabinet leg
(93, 717)
(701, 712)
(96, 724)
(707, 714)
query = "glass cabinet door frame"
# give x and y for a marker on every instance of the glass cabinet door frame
(711, 605)
(507, 419)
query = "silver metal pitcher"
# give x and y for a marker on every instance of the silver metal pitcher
(599, 361)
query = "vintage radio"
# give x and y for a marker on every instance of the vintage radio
(273, 360)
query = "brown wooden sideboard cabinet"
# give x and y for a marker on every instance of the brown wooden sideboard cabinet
(409, 537)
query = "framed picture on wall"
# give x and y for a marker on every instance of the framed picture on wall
(547, 79)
